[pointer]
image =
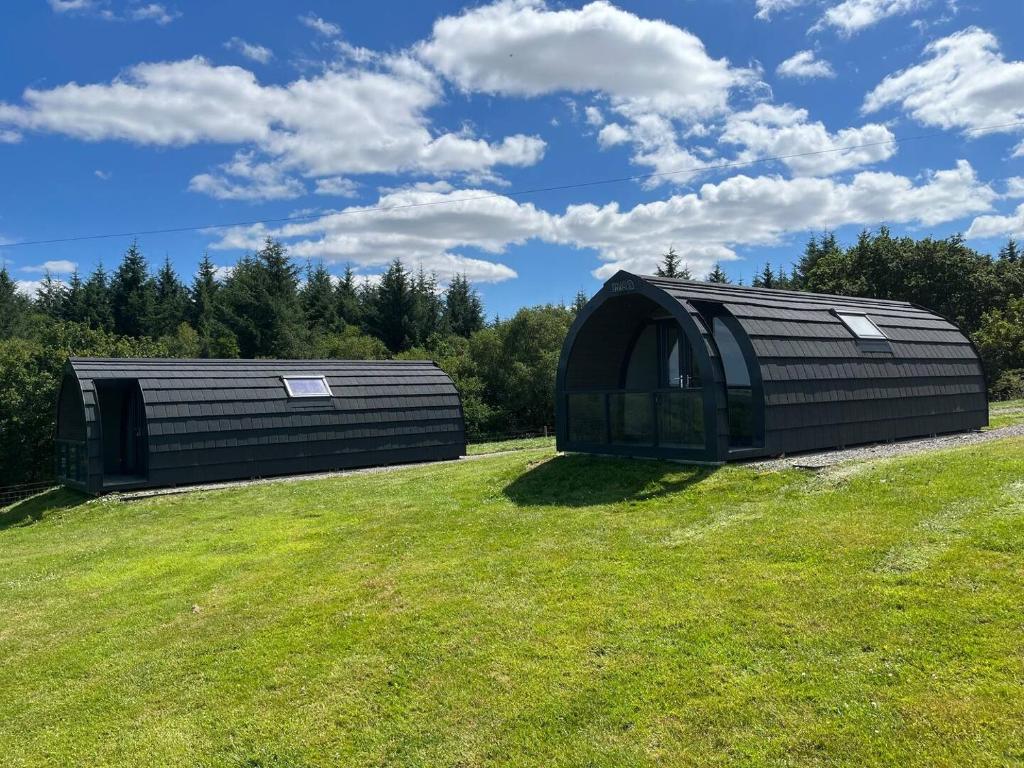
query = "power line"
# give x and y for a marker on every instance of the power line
(513, 193)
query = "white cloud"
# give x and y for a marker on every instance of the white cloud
(60, 266)
(9, 137)
(64, 6)
(153, 12)
(30, 287)
(705, 226)
(251, 51)
(999, 226)
(772, 131)
(805, 65)
(963, 83)
(325, 28)
(594, 116)
(102, 175)
(761, 210)
(765, 8)
(612, 134)
(338, 122)
(246, 179)
(524, 49)
(852, 16)
(1014, 187)
(428, 229)
(338, 186)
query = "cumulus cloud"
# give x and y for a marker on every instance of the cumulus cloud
(805, 65)
(153, 12)
(998, 226)
(325, 28)
(745, 210)
(258, 53)
(66, 6)
(60, 266)
(1014, 187)
(770, 131)
(765, 8)
(244, 178)
(964, 82)
(338, 122)
(426, 224)
(525, 49)
(431, 224)
(337, 186)
(852, 16)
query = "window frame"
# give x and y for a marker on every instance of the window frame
(292, 394)
(859, 336)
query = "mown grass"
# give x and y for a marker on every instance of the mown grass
(527, 610)
(513, 444)
(1005, 413)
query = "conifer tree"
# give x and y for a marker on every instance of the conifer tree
(717, 274)
(132, 295)
(1010, 252)
(203, 294)
(96, 300)
(51, 296)
(393, 306)
(672, 265)
(349, 311)
(579, 302)
(766, 278)
(427, 306)
(171, 302)
(463, 310)
(319, 305)
(14, 307)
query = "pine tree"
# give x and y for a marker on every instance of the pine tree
(427, 306)
(349, 311)
(132, 295)
(672, 265)
(766, 278)
(203, 294)
(463, 310)
(319, 305)
(14, 307)
(171, 306)
(1010, 252)
(96, 299)
(717, 275)
(579, 302)
(393, 307)
(51, 296)
(75, 308)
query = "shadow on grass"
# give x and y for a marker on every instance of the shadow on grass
(577, 480)
(34, 508)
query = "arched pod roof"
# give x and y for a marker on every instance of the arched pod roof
(210, 420)
(823, 385)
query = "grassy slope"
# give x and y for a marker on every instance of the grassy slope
(527, 610)
(1005, 413)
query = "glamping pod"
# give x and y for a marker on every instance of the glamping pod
(140, 423)
(704, 372)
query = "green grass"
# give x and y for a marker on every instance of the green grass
(1005, 413)
(514, 444)
(527, 610)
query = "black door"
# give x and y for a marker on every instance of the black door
(133, 423)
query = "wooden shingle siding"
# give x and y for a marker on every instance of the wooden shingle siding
(212, 420)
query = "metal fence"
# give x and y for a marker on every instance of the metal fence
(11, 494)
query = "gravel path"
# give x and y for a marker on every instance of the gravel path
(823, 459)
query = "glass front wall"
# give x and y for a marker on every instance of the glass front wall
(587, 418)
(680, 418)
(631, 418)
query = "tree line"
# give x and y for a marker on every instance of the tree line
(267, 305)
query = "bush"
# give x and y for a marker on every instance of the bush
(1008, 386)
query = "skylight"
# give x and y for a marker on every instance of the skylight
(861, 326)
(306, 386)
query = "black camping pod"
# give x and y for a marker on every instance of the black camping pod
(139, 423)
(705, 372)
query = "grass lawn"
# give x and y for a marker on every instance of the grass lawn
(514, 444)
(527, 610)
(1005, 413)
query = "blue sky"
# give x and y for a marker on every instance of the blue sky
(120, 117)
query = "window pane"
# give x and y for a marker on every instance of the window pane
(307, 387)
(736, 373)
(586, 418)
(681, 418)
(862, 327)
(632, 420)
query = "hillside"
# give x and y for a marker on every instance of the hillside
(527, 609)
